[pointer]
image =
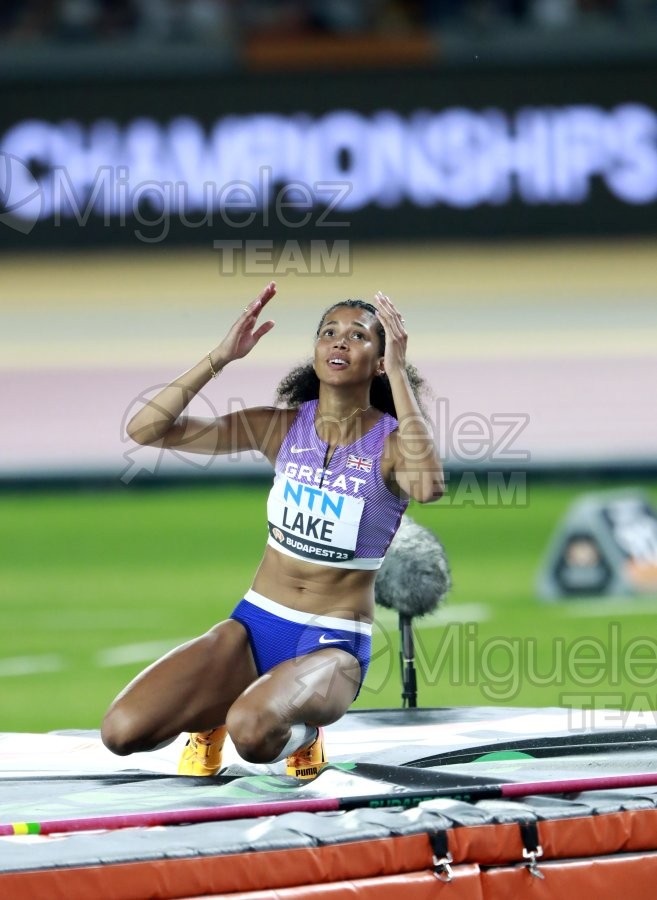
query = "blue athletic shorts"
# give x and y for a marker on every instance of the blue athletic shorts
(278, 633)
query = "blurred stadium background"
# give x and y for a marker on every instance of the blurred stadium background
(500, 160)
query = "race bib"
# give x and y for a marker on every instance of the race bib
(313, 522)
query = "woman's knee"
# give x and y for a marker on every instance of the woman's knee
(119, 733)
(256, 732)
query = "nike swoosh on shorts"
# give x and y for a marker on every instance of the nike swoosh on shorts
(324, 640)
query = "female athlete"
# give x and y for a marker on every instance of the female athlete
(349, 446)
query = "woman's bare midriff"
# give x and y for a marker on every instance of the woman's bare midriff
(316, 589)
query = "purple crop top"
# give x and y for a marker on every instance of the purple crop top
(341, 516)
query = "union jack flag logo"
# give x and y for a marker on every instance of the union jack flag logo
(362, 463)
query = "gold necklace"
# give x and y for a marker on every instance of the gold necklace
(360, 409)
(344, 419)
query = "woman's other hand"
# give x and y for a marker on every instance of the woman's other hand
(396, 337)
(242, 337)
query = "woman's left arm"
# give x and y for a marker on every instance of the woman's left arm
(415, 465)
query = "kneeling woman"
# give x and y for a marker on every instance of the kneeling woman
(349, 448)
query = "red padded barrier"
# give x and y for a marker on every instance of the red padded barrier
(629, 876)
(354, 866)
(465, 885)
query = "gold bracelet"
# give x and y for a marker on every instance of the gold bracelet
(214, 374)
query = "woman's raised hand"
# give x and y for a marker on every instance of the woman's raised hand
(396, 337)
(241, 338)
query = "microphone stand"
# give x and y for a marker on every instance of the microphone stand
(407, 662)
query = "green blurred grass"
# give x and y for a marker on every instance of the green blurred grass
(82, 572)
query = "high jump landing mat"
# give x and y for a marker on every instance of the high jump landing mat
(436, 813)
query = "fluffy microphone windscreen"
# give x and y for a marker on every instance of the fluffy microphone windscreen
(415, 575)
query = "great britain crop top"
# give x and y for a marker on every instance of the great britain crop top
(344, 515)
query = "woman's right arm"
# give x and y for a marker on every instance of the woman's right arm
(160, 422)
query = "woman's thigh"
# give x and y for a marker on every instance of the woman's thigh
(189, 689)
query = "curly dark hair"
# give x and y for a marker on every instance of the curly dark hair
(302, 383)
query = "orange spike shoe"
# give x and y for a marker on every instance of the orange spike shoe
(309, 761)
(202, 752)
